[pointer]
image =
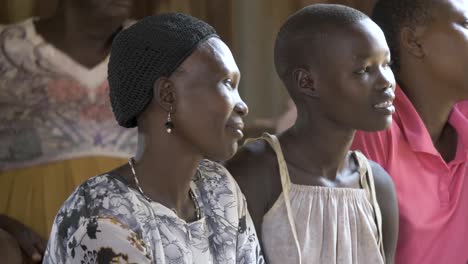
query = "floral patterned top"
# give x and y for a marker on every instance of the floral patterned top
(106, 221)
(51, 107)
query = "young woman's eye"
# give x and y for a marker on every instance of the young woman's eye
(363, 70)
(388, 64)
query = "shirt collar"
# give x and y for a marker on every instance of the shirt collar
(416, 132)
(411, 124)
(459, 120)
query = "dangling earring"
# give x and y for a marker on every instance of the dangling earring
(169, 125)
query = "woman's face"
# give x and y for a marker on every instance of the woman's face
(208, 110)
(445, 45)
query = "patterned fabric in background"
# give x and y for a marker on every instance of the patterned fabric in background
(104, 221)
(56, 126)
(51, 107)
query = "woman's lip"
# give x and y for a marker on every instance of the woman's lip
(239, 126)
(236, 129)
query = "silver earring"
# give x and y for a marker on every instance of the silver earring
(169, 125)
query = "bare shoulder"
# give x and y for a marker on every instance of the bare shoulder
(382, 178)
(387, 200)
(383, 181)
(384, 187)
(254, 166)
(255, 169)
(254, 158)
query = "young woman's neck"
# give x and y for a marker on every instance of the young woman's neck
(317, 145)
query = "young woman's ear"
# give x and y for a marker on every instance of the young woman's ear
(304, 82)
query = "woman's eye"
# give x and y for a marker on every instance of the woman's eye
(465, 23)
(229, 83)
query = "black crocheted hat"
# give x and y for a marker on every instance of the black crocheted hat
(151, 48)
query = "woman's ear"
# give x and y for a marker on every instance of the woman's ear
(164, 93)
(410, 41)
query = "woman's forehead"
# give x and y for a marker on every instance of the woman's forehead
(212, 55)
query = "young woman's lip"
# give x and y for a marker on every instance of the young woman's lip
(384, 104)
(387, 110)
(387, 97)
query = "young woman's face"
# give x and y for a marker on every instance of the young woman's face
(208, 108)
(356, 84)
(445, 45)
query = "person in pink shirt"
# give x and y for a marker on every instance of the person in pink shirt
(426, 149)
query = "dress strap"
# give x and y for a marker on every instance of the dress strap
(285, 183)
(367, 183)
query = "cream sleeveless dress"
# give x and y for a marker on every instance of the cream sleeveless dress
(321, 224)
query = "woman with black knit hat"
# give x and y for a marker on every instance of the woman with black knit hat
(173, 78)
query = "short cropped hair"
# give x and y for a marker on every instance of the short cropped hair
(304, 31)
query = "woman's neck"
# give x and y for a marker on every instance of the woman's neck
(433, 101)
(165, 168)
(433, 105)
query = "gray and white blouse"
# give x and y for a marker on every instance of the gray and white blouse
(105, 221)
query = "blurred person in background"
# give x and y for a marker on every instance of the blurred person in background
(426, 148)
(56, 123)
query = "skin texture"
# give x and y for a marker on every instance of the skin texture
(18, 241)
(9, 249)
(333, 101)
(434, 59)
(82, 29)
(207, 114)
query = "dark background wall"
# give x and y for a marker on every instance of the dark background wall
(249, 27)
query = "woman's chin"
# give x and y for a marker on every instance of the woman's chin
(224, 154)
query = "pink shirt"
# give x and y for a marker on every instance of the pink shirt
(432, 194)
